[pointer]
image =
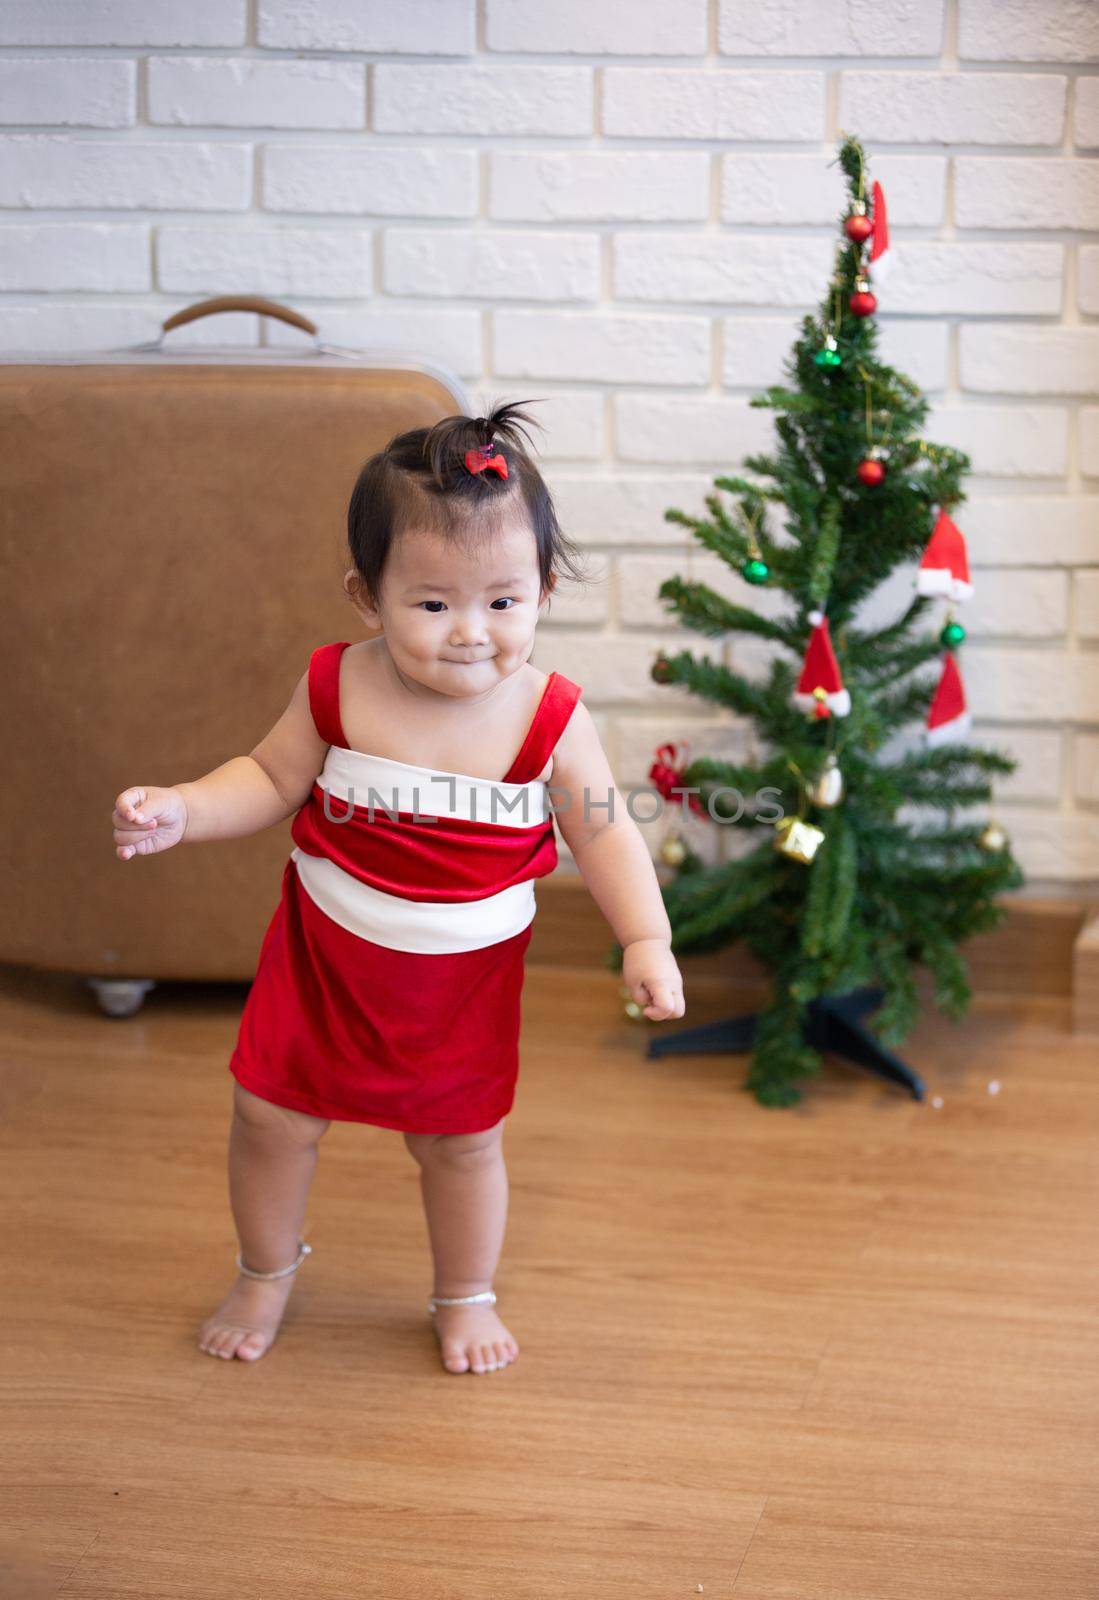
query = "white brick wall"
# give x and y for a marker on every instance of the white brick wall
(626, 212)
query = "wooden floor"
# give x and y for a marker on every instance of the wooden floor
(844, 1352)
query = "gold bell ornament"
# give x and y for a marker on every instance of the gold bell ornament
(993, 838)
(673, 848)
(828, 789)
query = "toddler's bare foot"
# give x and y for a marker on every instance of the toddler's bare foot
(473, 1339)
(246, 1322)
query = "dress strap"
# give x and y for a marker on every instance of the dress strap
(324, 691)
(556, 706)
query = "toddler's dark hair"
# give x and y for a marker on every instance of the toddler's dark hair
(420, 480)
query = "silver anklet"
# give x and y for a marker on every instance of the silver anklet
(306, 1249)
(486, 1297)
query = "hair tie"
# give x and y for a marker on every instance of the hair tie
(482, 458)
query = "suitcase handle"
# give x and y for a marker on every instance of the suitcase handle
(238, 302)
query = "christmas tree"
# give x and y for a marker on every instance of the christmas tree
(843, 898)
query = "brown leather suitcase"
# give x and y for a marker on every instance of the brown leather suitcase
(173, 538)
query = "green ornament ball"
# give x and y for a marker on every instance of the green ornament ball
(953, 635)
(755, 571)
(827, 358)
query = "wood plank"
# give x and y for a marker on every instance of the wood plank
(847, 1349)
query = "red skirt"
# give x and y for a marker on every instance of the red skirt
(340, 1027)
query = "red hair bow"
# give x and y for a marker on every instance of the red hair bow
(667, 777)
(481, 458)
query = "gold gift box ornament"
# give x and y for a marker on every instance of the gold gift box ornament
(798, 839)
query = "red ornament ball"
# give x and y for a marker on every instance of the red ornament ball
(863, 303)
(858, 227)
(870, 472)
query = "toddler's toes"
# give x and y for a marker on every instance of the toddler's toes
(454, 1356)
(252, 1346)
(501, 1354)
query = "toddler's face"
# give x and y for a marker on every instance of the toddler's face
(460, 616)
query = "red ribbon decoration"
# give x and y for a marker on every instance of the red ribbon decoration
(667, 777)
(481, 458)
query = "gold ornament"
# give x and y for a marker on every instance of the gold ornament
(673, 848)
(993, 839)
(797, 839)
(828, 789)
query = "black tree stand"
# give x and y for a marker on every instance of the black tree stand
(833, 1024)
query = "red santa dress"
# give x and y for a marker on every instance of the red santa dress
(388, 982)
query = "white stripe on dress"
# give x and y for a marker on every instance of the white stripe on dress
(350, 776)
(429, 927)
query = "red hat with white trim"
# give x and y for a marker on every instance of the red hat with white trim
(820, 687)
(881, 257)
(948, 718)
(944, 566)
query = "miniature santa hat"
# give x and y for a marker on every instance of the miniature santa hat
(820, 687)
(944, 567)
(881, 257)
(947, 716)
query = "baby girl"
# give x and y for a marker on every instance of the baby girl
(388, 982)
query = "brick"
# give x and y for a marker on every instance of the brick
(602, 348)
(721, 429)
(85, 93)
(273, 261)
(1010, 359)
(492, 99)
(56, 171)
(954, 107)
(728, 269)
(754, 349)
(617, 509)
(1012, 277)
(57, 327)
(370, 180)
(89, 256)
(1005, 441)
(772, 189)
(1087, 278)
(1031, 530)
(580, 604)
(1085, 120)
(1089, 441)
(840, 28)
(123, 22)
(415, 27)
(1020, 30)
(1018, 604)
(1040, 756)
(1035, 685)
(576, 27)
(690, 103)
(573, 424)
(1052, 848)
(452, 336)
(205, 91)
(599, 185)
(1086, 601)
(1008, 192)
(1085, 766)
(509, 265)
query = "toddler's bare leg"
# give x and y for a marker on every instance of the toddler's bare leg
(272, 1159)
(464, 1184)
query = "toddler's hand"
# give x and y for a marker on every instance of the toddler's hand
(653, 979)
(148, 820)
